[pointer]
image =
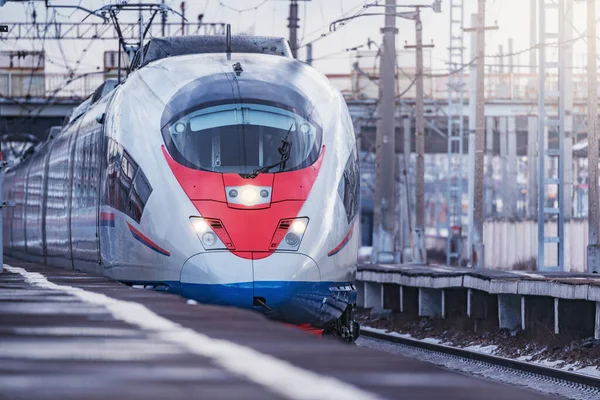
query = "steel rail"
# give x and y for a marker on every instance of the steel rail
(521, 366)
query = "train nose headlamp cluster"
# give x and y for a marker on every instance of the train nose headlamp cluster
(211, 233)
(249, 195)
(289, 234)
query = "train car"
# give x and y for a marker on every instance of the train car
(221, 169)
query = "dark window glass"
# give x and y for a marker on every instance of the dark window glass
(349, 188)
(142, 187)
(127, 188)
(239, 138)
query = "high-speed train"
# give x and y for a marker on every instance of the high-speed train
(221, 169)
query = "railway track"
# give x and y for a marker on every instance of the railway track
(575, 385)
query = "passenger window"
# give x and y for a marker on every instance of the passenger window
(349, 189)
(127, 188)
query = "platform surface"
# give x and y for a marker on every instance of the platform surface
(67, 335)
(566, 285)
(444, 271)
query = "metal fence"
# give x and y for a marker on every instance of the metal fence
(20, 84)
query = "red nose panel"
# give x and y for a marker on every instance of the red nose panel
(250, 230)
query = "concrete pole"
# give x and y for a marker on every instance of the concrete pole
(500, 59)
(384, 212)
(407, 226)
(532, 178)
(489, 150)
(511, 163)
(400, 206)
(182, 6)
(568, 104)
(309, 55)
(532, 35)
(510, 68)
(502, 131)
(593, 259)
(477, 253)
(420, 255)
(293, 25)
(163, 20)
(472, 119)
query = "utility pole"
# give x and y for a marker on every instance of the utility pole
(309, 56)
(420, 253)
(476, 254)
(568, 105)
(163, 20)
(532, 34)
(472, 131)
(384, 212)
(407, 216)
(293, 25)
(477, 128)
(593, 256)
(455, 149)
(182, 18)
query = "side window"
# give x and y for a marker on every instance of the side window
(139, 196)
(127, 187)
(348, 188)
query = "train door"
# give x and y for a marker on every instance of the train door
(58, 198)
(85, 190)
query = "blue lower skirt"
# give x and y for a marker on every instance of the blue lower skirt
(316, 303)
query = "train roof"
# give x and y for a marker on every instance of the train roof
(159, 48)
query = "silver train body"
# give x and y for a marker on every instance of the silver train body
(229, 178)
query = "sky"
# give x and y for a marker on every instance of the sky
(269, 18)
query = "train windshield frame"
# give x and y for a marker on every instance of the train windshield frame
(242, 137)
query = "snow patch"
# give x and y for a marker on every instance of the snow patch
(490, 349)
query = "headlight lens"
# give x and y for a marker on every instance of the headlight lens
(292, 239)
(209, 239)
(289, 233)
(212, 233)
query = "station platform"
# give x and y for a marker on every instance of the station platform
(519, 300)
(67, 335)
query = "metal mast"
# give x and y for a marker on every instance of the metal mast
(593, 259)
(293, 25)
(456, 102)
(557, 123)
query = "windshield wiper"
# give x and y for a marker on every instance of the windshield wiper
(284, 150)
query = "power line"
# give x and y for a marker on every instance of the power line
(222, 4)
(51, 100)
(360, 11)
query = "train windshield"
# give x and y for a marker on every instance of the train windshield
(242, 138)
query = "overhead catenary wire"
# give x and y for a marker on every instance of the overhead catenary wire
(51, 100)
(242, 10)
(360, 11)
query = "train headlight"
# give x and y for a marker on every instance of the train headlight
(292, 239)
(289, 234)
(200, 225)
(209, 239)
(249, 195)
(298, 226)
(212, 233)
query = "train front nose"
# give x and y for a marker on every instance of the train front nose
(218, 278)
